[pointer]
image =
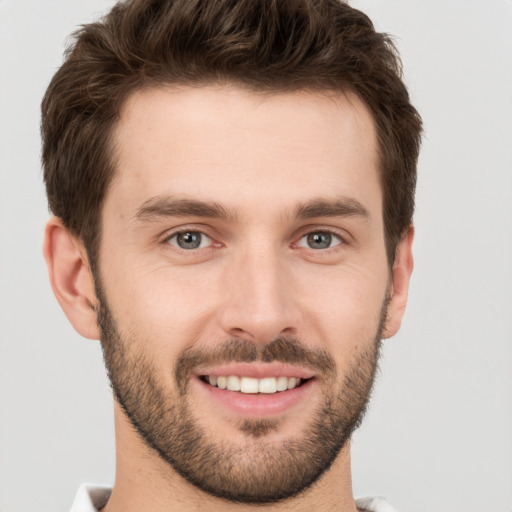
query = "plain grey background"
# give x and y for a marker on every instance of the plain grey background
(438, 437)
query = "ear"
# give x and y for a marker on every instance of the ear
(399, 289)
(71, 277)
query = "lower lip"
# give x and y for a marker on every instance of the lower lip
(261, 404)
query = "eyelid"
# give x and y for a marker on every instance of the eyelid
(334, 236)
(168, 235)
(205, 239)
(343, 236)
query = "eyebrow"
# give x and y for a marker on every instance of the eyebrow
(165, 206)
(345, 207)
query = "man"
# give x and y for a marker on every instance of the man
(233, 188)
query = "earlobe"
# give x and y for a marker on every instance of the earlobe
(401, 275)
(71, 278)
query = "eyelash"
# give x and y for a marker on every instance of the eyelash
(341, 240)
(176, 234)
(332, 235)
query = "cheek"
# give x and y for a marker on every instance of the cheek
(171, 308)
(160, 305)
(345, 306)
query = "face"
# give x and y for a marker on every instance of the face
(243, 282)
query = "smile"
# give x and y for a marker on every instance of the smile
(251, 385)
(256, 390)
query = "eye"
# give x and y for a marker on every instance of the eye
(189, 240)
(320, 240)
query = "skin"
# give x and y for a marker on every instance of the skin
(260, 158)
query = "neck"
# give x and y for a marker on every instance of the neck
(145, 482)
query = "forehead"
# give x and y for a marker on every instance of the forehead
(238, 147)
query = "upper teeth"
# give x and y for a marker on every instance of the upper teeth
(251, 385)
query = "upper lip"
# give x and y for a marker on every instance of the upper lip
(256, 370)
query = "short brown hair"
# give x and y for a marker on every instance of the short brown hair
(266, 45)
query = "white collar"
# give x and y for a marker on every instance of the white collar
(91, 498)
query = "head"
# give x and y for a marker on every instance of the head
(234, 183)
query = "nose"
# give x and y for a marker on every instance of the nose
(259, 300)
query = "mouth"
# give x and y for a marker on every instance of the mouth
(251, 385)
(256, 390)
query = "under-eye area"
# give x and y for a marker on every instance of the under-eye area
(252, 385)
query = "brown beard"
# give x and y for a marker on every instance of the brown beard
(262, 471)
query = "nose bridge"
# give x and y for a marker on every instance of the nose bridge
(259, 302)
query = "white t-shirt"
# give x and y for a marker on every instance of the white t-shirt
(91, 498)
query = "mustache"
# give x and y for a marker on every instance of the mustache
(283, 350)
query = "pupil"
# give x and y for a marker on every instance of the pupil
(319, 240)
(189, 240)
